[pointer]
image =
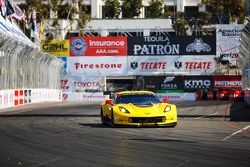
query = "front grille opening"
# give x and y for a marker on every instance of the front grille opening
(147, 119)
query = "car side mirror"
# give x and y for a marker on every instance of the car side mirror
(110, 102)
(165, 100)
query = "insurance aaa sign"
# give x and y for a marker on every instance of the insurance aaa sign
(98, 46)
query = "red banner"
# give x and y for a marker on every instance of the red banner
(227, 82)
(98, 46)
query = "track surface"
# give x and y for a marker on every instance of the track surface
(70, 135)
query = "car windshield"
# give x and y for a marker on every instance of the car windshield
(138, 99)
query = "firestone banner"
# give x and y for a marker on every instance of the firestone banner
(56, 47)
(105, 65)
(98, 46)
(185, 65)
(172, 45)
(228, 39)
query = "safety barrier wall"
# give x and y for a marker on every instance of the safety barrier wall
(22, 66)
(247, 96)
(11, 98)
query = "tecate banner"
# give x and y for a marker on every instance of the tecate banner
(192, 83)
(227, 82)
(173, 45)
(80, 83)
(98, 46)
(228, 39)
(105, 65)
(185, 65)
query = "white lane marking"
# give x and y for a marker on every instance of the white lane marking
(235, 133)
(207, 115)
(47, 162)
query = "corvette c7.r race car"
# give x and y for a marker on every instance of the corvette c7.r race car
(138, 108)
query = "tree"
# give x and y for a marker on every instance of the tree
(234, 9)
(65, 11)
(131, 8)
(155, 9)
(112, 8)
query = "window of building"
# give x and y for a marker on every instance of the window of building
(192, 11)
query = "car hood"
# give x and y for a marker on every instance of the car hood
(144, 110)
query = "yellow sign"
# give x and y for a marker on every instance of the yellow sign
(55, 47)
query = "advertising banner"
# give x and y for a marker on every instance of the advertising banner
(172, 45)
(81, 83)
(55, 47)
(227, 82)
(156, 83)
(105, 65)
(64, 68)
(84, 97)
(185, 65)
(98, 46)
(193, 83)
(228, 39)
(177, 96)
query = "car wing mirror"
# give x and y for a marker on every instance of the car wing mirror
(165, 100)
(110, 102)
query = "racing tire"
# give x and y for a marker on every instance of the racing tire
(103, 119)
(112, 118)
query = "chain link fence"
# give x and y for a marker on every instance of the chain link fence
(22, 65)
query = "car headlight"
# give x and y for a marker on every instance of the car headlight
(123, 110)
(167, 108)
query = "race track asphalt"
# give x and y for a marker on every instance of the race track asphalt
(209, 133)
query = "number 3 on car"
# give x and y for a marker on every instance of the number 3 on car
(138, 108)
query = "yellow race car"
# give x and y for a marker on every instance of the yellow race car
(138, 108)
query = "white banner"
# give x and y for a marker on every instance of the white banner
(84, 97)
(80, 83)
(185, 65)
(103, 65)
(177, 96)
(228, 37)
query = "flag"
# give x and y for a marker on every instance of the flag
(41, 29)
(18, 15)
(3, 7)
(9, 8)
(33, 25)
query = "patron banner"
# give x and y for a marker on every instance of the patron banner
(227, 82)
(55, 47)
(185, 65)
(228, 39)
(98, 46)
(105, 65)
(172, 45)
